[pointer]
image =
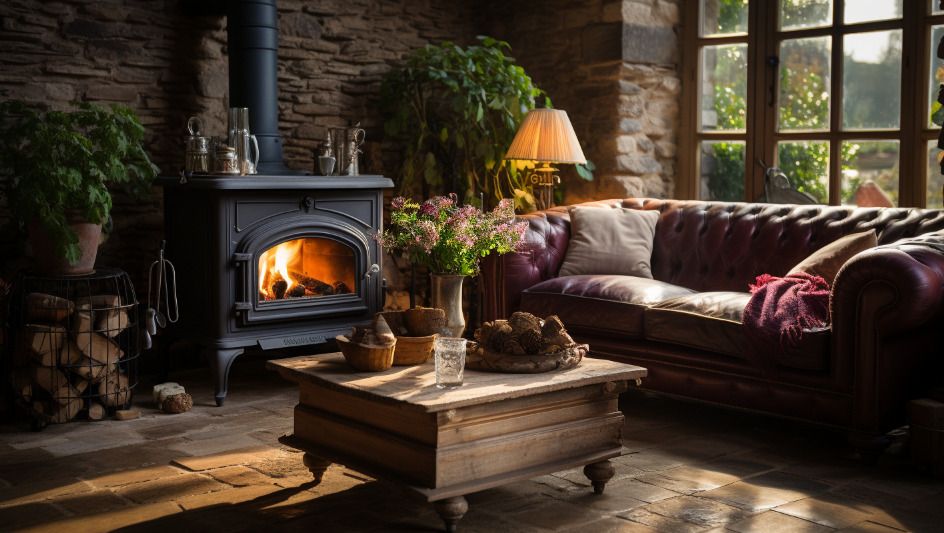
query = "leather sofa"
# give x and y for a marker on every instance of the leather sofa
(884, 345)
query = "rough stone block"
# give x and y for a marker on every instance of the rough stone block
(649, 45)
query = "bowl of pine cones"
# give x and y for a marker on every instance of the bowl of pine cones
(524, 344)
(416, 331)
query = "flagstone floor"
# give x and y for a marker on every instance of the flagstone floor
(686, 467)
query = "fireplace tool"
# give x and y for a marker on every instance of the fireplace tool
(162, 286)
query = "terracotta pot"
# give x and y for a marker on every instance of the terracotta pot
(49, 260)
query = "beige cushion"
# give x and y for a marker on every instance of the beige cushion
(604, 240)
(827, 261)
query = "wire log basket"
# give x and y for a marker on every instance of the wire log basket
(74, 346)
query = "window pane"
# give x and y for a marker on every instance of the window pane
(870, 173)
(796, 14)
(935, 179)
(804, 84)
(871, 80)
(868, 10)
(721, 170)
(936, 77)
(723, 17)
(935, 9)
(806, 163)
(724, 88)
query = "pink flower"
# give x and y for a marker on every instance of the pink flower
(429, 208)
(398, 203)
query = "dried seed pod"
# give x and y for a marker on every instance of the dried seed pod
(531, 342)
(512, 347)
(499, 337)
(521, 322)
(552, 326)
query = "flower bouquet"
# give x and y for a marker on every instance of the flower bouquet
(451, 241)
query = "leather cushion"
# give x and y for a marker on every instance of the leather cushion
(712, 321)
(610, 303)
(610, 241)
(827, 261)
(706, 320)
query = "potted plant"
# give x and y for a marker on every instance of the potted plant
(455, 110)
(57, 166)
(451, 240)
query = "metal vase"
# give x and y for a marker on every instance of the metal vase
(447, 295)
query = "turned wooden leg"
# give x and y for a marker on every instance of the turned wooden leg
(451, 510)
(316, 465)
(599, 474)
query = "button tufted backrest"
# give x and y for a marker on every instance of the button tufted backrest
(725, 245)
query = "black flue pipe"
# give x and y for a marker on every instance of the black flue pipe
(252, 30)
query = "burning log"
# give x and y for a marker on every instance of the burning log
(278, 288)
(316, 286)
(341, 288)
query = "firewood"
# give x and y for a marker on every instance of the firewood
(45, 341)
(47, 308)
(163, 390)
(127, 414)
(50, 379)
(114, 390)
(316, 286)
(67, 411)
(21, 381)
(105, 312)
(98, 347)
(82, 365)
(96, 411)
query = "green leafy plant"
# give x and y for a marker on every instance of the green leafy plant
(57, 165)
(455, 110)
(448, 238)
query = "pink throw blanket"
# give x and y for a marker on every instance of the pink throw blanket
(781, 308)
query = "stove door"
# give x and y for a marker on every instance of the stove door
(311, 271)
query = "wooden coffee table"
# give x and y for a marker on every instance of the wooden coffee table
(446, 443)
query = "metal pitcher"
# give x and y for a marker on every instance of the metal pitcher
(238, 137)
(346, 145)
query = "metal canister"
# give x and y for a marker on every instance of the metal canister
(197, 158)
(226, 160)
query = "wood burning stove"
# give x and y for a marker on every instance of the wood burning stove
(272, 262)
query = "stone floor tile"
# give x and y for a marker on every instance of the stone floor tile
(20, 517)
(641, 491)
(659, 522)
(228, 496)
(651, 460)
(170, 488)
(831, 513)
(552, 514)
(689, 479)
(40, 490)
(94, 502)
(610, 525)
(868, 527)
(110, 521)
(611, 501)
(219, 460)
(765, 491)
(739, 466)
(138, 475)
(701, 511)
(240, 476)
(774, 522)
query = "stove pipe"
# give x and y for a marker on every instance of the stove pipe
(252, 30)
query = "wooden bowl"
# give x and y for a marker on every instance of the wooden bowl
(366, 358)
(413, 350)
(424, 321)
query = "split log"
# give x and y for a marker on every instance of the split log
(81, 365)
(316, 286)
(47, 308)
(67, 411)
(114, 390)
(99, 347)
(45, 342)
(22, 382)
(96, 411)
(56, 384)
(162, 390)
(102, 313)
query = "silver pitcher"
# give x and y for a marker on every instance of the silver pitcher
(346, 144)
(238, 137)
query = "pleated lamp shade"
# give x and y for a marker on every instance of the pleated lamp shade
(546, 135)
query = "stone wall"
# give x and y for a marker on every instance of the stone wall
(612, 65)
(167, 65)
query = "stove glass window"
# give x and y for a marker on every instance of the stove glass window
(310, 267)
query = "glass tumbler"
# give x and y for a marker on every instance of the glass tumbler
(449, 356)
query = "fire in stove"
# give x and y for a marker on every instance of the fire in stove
(309, 267)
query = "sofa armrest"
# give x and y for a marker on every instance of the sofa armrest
(887, 308)
(538, 258)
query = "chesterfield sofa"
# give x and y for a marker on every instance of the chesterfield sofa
(886, 340)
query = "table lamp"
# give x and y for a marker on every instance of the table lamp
(545, 137)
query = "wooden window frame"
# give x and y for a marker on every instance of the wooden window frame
(761, 137)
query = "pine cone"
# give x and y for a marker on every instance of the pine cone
(531, 342)
(521, 322)
(552, 326)
(499, 337)
(512, 347)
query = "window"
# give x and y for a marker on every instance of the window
(837, 93)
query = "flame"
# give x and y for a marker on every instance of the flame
(275, 262)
